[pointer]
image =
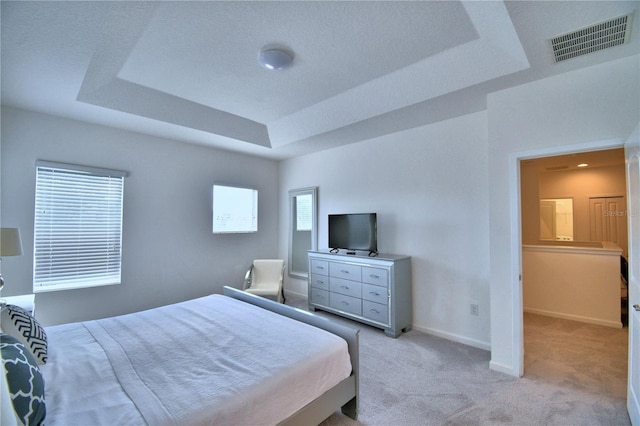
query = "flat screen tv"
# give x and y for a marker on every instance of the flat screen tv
(355, 231)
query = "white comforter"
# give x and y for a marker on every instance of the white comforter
(213, 360)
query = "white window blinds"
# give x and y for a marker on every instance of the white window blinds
(78, 226)
(235, 210)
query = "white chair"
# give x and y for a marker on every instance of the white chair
(265, 278)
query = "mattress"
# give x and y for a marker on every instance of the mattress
(212, 360)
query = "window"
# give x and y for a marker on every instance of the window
(304, 209)
(235, 210)
(77, 226)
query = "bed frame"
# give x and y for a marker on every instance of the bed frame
(344, 395)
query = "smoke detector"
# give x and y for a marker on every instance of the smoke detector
(602, 35)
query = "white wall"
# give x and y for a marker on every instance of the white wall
(575, 283)
(429, 187)
(169, 251)
(583, 107)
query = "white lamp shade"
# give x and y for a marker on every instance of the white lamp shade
(10, 242)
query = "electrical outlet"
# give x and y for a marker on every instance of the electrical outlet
(474, 309)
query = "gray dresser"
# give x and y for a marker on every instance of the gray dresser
(372, 290)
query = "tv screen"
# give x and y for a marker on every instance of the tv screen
(353, 232)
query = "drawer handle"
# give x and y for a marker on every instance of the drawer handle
(320, 281)
(375, 311)
(346, 287)
(344, 302)
(319, 267)
(373, 293)
(344, 271)
(374, 276)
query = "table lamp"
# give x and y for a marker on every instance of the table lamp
(10, 245)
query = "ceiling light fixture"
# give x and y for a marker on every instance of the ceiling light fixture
(275, 59)
(583, 165)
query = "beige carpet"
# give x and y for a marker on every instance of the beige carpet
(575, 374)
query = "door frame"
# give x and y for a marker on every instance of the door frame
(632, 157)
(517, 326)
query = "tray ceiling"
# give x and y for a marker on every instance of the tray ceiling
(189, 70)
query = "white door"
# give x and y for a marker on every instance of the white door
(547, 220)
(608, 220)
(632, 152)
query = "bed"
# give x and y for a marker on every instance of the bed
(224, 359)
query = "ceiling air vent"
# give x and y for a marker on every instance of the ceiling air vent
(603, 35)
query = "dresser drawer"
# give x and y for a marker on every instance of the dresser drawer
(377, 276)
(349, 304)
(375, 311)
(375, 293)
(320, 297)
(320, 267)
(350, 288)
(346, 271)
(320, 281)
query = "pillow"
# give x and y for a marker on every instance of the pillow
(19, 323)
(24, 381)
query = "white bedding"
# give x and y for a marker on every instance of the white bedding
(213, 360)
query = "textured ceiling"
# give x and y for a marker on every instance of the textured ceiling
(189, 70)
(603, 158)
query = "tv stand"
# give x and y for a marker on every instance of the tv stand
(371, 290)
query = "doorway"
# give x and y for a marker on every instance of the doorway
(595, 218)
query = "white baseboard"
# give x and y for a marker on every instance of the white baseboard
(596, 321)
(633, 406)
(439, 333)
(501, 368)
(454, 337)
(295, 293)
(506, 369)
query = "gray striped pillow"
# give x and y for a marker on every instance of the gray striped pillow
(19, 323)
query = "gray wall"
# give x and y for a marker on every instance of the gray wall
(429, 187)
(169, 251)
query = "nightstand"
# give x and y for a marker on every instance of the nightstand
(25, 301)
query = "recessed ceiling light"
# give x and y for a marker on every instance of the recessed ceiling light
(583, 165)
(275, 59)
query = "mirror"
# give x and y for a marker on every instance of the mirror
(303, 228)
(556, 219)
